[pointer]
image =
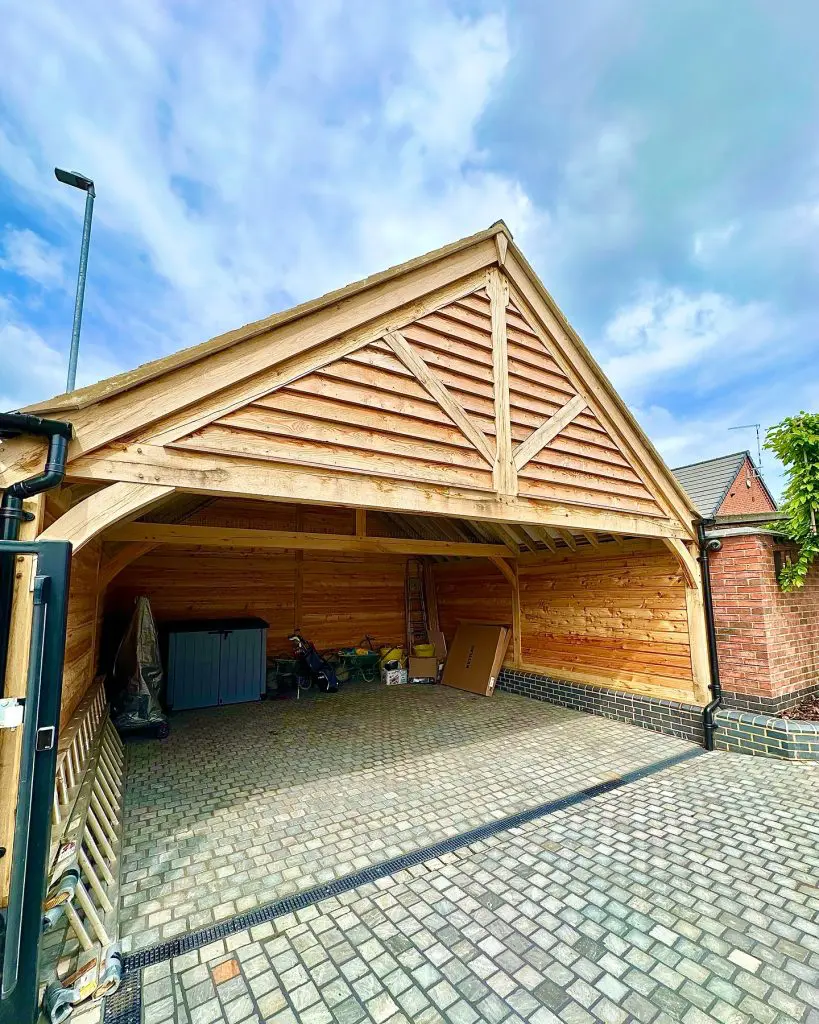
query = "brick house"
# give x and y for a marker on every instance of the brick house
(767, 640)
(729, 485)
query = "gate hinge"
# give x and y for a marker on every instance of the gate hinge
(11, 713)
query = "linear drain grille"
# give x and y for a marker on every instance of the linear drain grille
(309, 897)
(125, 1005)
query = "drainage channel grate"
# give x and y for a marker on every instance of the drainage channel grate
(133, 963)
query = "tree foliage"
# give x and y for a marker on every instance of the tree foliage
(795, 442)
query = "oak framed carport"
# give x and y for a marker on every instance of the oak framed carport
(442, 409)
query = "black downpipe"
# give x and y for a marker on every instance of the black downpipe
(708, 724)
(13, 424)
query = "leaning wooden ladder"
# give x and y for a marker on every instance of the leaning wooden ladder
(86, 829)
(416, 604)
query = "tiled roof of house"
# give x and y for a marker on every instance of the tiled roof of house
(707, 482)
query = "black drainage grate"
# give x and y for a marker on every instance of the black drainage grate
(133, 963)
(125, 1005)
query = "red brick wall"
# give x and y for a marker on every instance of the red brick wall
(768, 641)
(742, 498)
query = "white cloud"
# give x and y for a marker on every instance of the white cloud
(28, 255)
(259, 154)
(32, 367)
(671, 332)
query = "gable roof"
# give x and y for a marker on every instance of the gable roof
(448, 263)
(708, 482)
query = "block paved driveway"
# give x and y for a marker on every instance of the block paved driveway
(690, 895)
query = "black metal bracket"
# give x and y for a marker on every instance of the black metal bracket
(19, 514)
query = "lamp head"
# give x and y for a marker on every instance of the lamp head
(73, 178)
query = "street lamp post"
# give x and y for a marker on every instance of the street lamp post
(86, 185)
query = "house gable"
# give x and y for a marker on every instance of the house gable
(453, 373)
(746, 493)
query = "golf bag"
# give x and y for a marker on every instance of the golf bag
(314, 668)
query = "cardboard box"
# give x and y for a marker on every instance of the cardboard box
(476, 657)
(437, 638)
(394, 677)
(423, 668)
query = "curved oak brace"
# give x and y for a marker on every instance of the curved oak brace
(687, 562)
(104, 508)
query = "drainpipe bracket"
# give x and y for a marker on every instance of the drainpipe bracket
(20, 514)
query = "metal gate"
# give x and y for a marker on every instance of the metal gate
(32, 826)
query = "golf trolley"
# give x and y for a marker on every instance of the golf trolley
(313, 669)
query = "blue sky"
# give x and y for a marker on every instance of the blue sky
(658, 163)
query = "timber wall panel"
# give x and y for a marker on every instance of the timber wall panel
(473, 590)
(342, 596)
(202, 583)
(82, 628)
(367, 413)
(582, 463)
(347, 596)
(613, 618)
(619, 617)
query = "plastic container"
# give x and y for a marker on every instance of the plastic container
(423, 650)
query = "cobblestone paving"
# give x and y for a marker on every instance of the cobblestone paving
(688, 896)
(242, 805)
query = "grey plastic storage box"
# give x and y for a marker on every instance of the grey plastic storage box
(218, 661)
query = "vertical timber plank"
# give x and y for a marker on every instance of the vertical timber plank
(517, 638)
(504, 473)
(298, 580)
(16, 672)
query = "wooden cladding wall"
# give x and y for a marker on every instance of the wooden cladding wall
(615, 618)
(196, 583)
(619, 619)
(82, 628)
(334, 598)
(472, 590)
(367, 413)
(582, 463)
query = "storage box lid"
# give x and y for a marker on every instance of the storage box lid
(212, 625)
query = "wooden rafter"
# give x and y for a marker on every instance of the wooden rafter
(437, 390)
(567, 539)
(547, 431)
(225, 537)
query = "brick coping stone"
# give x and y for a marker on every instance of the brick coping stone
(746, 732)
